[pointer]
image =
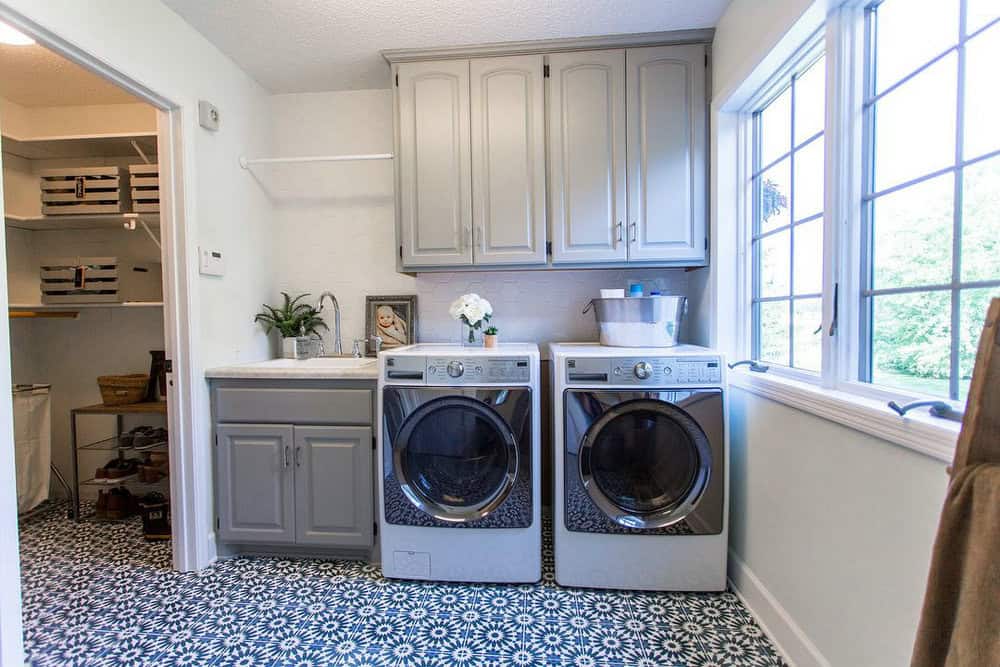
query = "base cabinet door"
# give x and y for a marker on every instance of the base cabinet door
(434, 163)
(256, 494)
(666, 153)
(586, 145)
(333, 486)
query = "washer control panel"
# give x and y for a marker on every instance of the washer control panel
(477, 370)
(654, 371)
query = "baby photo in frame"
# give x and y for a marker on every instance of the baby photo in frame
(393, 318)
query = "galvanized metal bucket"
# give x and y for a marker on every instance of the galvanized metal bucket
(645, 321)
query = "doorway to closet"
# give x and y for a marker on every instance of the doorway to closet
(84, 271)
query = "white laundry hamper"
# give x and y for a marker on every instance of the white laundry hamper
(32, 445)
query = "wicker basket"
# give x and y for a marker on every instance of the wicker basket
(123, 389)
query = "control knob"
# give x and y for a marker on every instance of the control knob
(642, 370)
(455, 369)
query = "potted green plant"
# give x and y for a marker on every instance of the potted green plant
(296, 322)
(491, 337)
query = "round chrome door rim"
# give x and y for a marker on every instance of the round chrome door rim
(442, 511)
(661, 518)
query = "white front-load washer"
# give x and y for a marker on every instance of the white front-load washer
(640, 467)
(459, 463)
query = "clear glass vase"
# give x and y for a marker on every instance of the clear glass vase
(469, 337)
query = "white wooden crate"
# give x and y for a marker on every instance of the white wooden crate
(84, 191)
(80, 280)
(145, 182)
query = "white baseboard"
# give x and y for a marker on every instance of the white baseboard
(790, 639)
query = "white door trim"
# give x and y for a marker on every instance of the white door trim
(191, 544)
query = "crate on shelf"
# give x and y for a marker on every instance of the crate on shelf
(79, 280)
(84, 191)
(145, 182)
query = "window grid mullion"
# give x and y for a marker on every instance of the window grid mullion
(956, 234)
(791, 228)
(866, 317)
(755, 248)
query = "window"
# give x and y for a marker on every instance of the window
(787, 236)
(930, 256)
(884, 295)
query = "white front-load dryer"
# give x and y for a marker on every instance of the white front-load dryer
(640, 467)
(459, 464)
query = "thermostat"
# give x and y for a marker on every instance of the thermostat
(208, 115)
(211, 262)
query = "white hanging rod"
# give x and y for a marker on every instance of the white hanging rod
(245, 163)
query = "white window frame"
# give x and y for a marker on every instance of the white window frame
(809, 52)
(835, 392)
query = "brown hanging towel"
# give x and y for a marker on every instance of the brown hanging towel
(960, 621)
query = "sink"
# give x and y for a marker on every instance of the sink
(341, 363)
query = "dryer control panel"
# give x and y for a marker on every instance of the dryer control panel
(477, 369)
(651, 371)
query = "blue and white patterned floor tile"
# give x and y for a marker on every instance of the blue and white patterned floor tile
(99, 595)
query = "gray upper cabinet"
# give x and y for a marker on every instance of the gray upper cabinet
(333, 485)
(666, 153)
(255, 492)
(601, 152)
(508, 160)
(434, 163)
(586, 144)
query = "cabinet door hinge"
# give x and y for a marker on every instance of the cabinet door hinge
(218, 523)
(545, 71)
(706, 243)
(401, 252)
(706, 60)
(216, 440)
(397, 78)
(375, 528)
(548, 247)
(373, 443)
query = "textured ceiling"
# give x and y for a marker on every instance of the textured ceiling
(33, 76)
(316, 45)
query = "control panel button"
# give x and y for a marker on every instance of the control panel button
(432, 370)
(455, 369)
(642, 370)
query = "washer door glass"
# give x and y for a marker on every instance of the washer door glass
(645, 463)
(456, 458)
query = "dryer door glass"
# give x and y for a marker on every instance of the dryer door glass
(645, 463)
(456, 458)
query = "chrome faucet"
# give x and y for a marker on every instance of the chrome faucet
(337, 348)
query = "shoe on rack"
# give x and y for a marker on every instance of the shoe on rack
(120, 503)
(152, 438)
(127, 438)
(101, 508)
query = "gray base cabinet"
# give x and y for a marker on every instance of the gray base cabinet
(333, 486)
(308, 484)
(256, 492)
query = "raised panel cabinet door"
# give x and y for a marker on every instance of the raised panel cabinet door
(666, 153)
(333, 486)
(586, 142)
(255, 483)
(435, 163)
(508, 160)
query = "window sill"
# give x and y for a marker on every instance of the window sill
(920, 432)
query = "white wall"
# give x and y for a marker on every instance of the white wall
(334, 230)
(831, 529)
(224, 207)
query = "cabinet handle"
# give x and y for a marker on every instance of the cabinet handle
(635, 231)
(469, 240)
(482, 238)
(618, 229)
(298, 457)
(287, 455)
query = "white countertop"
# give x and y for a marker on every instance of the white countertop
(322, 368)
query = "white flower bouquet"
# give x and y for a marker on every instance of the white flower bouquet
(472, 310)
